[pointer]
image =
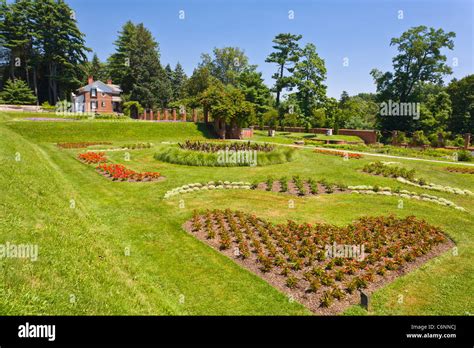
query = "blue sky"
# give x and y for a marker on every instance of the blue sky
(357, 30)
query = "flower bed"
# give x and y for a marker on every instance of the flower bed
(308, 187)
(321, 265)
(298, 186)
(92, 157)
(137, 146)
(462, 170)
(340, 154)
(436, 187)
(211, 185)
(218, 146)
(81, 145)
(119, 172)
(408, 177)
(380, 168)
(241, 158)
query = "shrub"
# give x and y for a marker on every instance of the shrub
(269, 183)
(327, 299)
(132, 109)
(291, 282)
(419, 139)
(17, 92)
(47, 107)
(464, 156)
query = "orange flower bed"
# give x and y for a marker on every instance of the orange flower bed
(340, 154)
(121, 173)
(92, 157)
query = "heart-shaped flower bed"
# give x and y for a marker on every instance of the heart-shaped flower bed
(322, 266)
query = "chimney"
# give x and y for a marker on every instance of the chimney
(109, 81)
(90, 80)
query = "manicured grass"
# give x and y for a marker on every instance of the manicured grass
(50, 132)
(82, 249)
(291, 137)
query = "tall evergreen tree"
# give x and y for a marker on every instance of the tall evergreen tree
(62, 45)
(178, 82)
(96, 69)
(286, 55)
(119, 63)
(136, 66)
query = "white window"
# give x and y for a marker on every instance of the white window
(93, 105)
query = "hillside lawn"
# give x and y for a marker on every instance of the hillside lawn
(83, 250)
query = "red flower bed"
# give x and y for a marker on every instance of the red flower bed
(122, 173)
(340, 154)
(92, 157)
(321, 265)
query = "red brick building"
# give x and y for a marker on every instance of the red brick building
(97, 97)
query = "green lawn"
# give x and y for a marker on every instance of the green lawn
(82, 250)
(291, 137)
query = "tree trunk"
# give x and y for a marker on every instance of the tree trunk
(35, 85)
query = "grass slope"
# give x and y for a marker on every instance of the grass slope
(82, 250)
(45, 131)
(169, 271)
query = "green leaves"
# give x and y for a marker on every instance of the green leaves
(17, 92)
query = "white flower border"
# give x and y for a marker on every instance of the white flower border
(437, 187)
(387, 191)
(211, 185)
(358, 189)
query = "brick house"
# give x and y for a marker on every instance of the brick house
(97, 97)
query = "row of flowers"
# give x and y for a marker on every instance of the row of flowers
(81, 145)
(387, 191)
(218, 146)
(92, 157)
(121, 173)
(339, 153)
(211, 185)
(388, 170)
(358, 189)
(436, 187)
(462, 170)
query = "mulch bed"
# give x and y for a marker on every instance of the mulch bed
(311, 300)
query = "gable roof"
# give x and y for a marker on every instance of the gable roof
(102, 87)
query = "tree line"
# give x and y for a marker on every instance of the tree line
(43, 58)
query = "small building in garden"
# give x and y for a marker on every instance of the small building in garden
(98, 97)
